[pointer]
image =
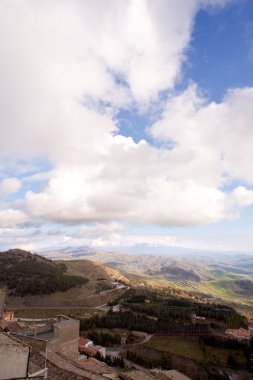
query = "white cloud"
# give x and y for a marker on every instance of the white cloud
(66, 69)
(11, 218)
(60, 58)
(211, 138)
(9, 186)
(180, 186)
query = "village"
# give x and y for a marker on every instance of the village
(54, 349)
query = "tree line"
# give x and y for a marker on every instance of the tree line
(131, 321)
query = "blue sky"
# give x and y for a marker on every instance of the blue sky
(220, 56)
(132, 131)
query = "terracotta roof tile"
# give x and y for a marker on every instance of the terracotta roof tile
(95, 366)
(54, 372)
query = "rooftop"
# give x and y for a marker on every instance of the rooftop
(48, 335)
(65, 322)
(17, 327)
(135, 375)
(96, 366)
(66, 364)
(87, 350)
(6, 340)
(55, 372)
(171, 375)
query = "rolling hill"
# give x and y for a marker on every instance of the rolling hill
(212, 276)
(24, 273)
(35, 281)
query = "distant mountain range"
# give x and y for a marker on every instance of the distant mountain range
(147, 249)
(203, 264)
(211, 276)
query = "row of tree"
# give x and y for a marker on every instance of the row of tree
(104, 338)
(181, 310)
(132, 321)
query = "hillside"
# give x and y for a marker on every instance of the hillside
(35, 281)
(175, 273)
(24, 273)
(93, 271)
(215, 276)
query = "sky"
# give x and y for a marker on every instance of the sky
(126, 123)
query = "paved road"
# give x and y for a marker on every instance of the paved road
(115, 351)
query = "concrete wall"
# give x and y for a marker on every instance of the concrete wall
(13, 360)
(39, 330)
(66, 338)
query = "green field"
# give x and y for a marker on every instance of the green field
(191, 347)
(53, 312)
(176, 345)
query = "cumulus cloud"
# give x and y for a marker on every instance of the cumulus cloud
(214, 136)
(179, 186)
(9, 186)
(67, 68)
(60, 59)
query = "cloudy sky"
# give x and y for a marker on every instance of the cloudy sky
(126, 122)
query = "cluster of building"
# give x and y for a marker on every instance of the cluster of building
(54, 351)
(197, 318)
(53, 354)
(87, 348)
(47, 351)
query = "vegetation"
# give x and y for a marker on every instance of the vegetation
(163, 362)
(152, 313)
(131, 321)
(28, 274)
(53, 312)
(211, 350)
(104, 338)
(111, 361)
(179, 311)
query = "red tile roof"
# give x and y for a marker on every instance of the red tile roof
(87, 350)
(95, 365)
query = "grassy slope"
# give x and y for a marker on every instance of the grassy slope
(86, 295)
(218, 274)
